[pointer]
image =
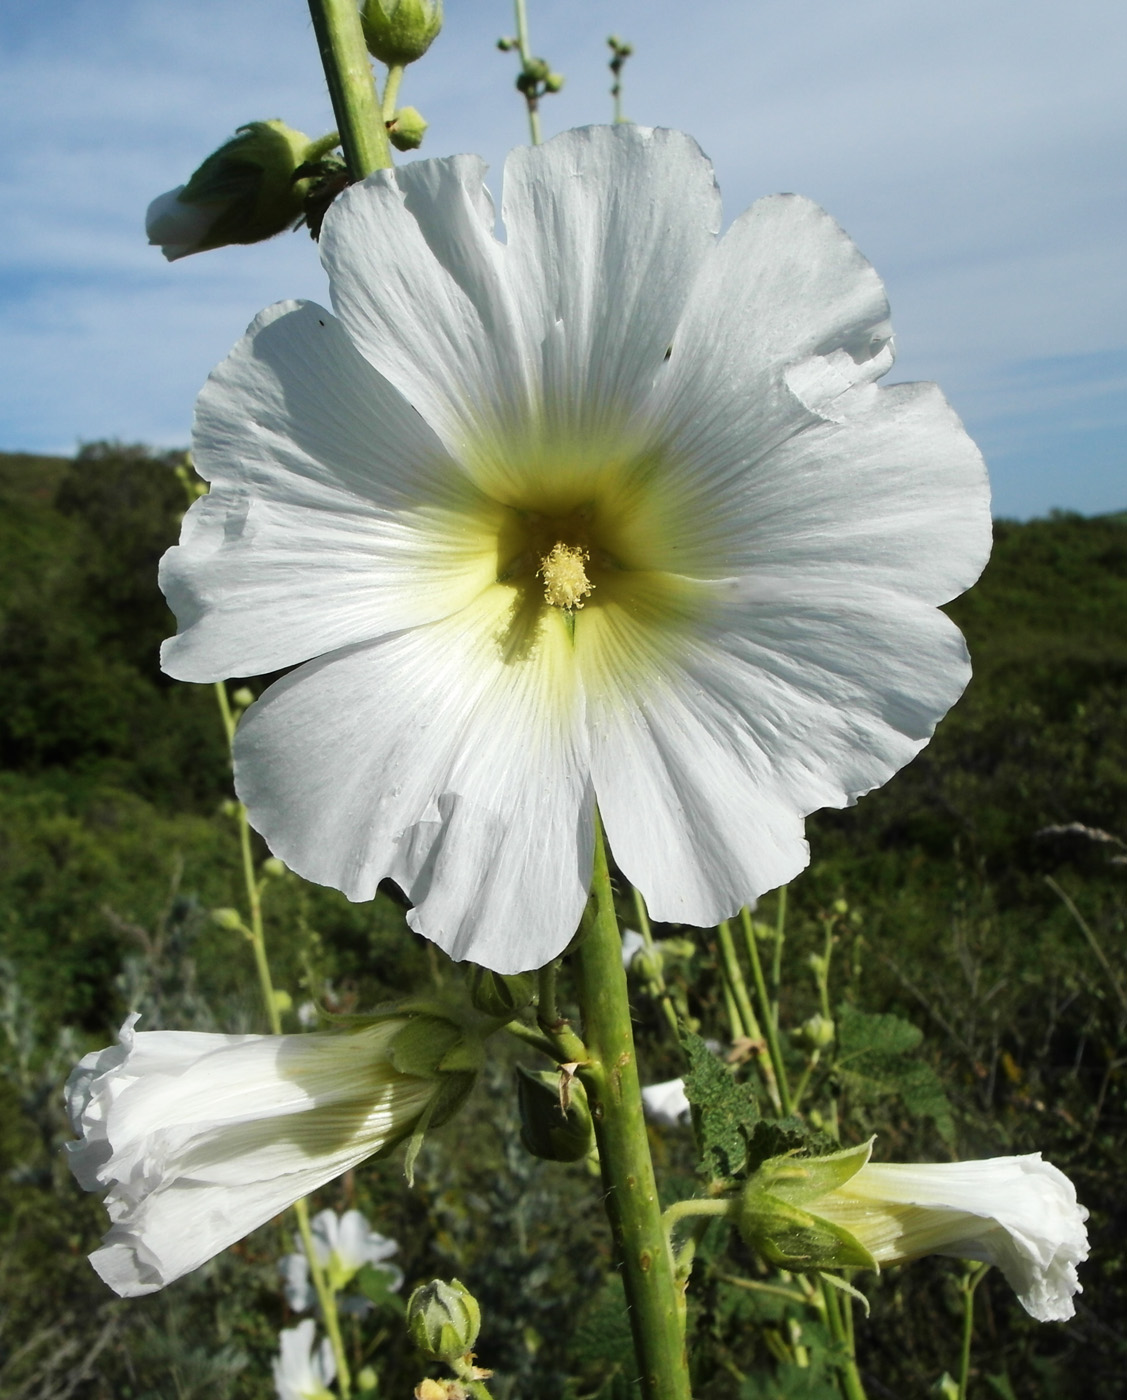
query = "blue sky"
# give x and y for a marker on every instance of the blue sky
(975, 151)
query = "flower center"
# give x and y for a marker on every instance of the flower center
(565, 579)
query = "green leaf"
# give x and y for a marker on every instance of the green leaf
(725, 1113)
(877, 1060)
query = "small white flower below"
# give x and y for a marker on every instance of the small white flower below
(666, 1103)
(301, 1370)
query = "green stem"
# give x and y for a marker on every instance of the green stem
(851, 1385)
(530, 1037)
(657, 978)
(733, 974)
(777, 952)
(614, 1092)
(767, 1013)
(391, 90)
(970, 1284)
(1093, 942)
(325, 1295)
(352, 89)
(525, 59)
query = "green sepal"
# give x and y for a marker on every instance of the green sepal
(496, 995)
(801, 1180)
(792, 1238)
(431, 1046)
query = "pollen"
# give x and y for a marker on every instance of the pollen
(565, 579)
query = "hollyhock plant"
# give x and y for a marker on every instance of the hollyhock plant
(1018, 1213)
(199, 1138)
(612, 511)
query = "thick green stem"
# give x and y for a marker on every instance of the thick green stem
(348, 73)
(610, 1077)
(767, 1012)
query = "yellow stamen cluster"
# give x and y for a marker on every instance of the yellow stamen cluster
(565, 580)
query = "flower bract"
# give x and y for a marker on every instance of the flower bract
(199, 1138)
(611, 510)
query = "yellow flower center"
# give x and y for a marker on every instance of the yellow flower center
(565, 579)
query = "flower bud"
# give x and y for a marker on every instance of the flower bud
(243, 697)
(443, 1319)
(494, 994)
(244, 192)
(554, 1127)
(400, 31)
(773, 1219)
(817, 1032)
(229, 919)
(407, 129)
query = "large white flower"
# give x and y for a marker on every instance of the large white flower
(200, 1138)
(611, 510)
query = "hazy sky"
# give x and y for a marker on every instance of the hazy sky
(975, 151)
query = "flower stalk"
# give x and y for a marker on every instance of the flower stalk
(610, 1077)
(325, 1295)
(352, 89)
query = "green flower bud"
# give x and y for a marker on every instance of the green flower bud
(243, 697)
(244, 192)
(774, 1219)
(553, 82)
(227, 918)
(407, 129)
(400, 31)
(817, 1032)
(443, 1319)
(553, 1125)
(273, 867)
(502, 997)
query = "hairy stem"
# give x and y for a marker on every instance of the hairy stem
(610, 1077)
(352, 89)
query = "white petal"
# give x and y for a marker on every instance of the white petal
(666, 1103)
(707, 756)
(334, 514)
(895, 498)
(786, 326)
(572, 316)
(449, 758)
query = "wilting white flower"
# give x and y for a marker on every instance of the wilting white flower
(666, 1103)
(302, 1371)
(1018, 1213)
(344, 1244)
(200, 1138)
(610, 511)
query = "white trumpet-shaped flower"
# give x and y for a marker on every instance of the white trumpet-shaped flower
(302, 1369)
(344, 1244)
(200, 1138)
(1018, 1213)
(610, 511)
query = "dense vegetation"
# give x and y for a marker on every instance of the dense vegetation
(956, 881)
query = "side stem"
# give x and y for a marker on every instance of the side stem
(614, 1092)
(348, 73)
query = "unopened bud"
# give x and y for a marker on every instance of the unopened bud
(244, 192)
(555, 1122)
(227, 918)
(443, 1319)
(496, 995)
(398, 32)
(274, 867)
(407, 129)
(243, 697)
(817, 1032)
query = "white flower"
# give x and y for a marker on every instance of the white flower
(200, 1138)
(612, 510)
(666, 1103)
(300, 1371)
(632, 944)
(1018, 1213)
(344, 1244)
